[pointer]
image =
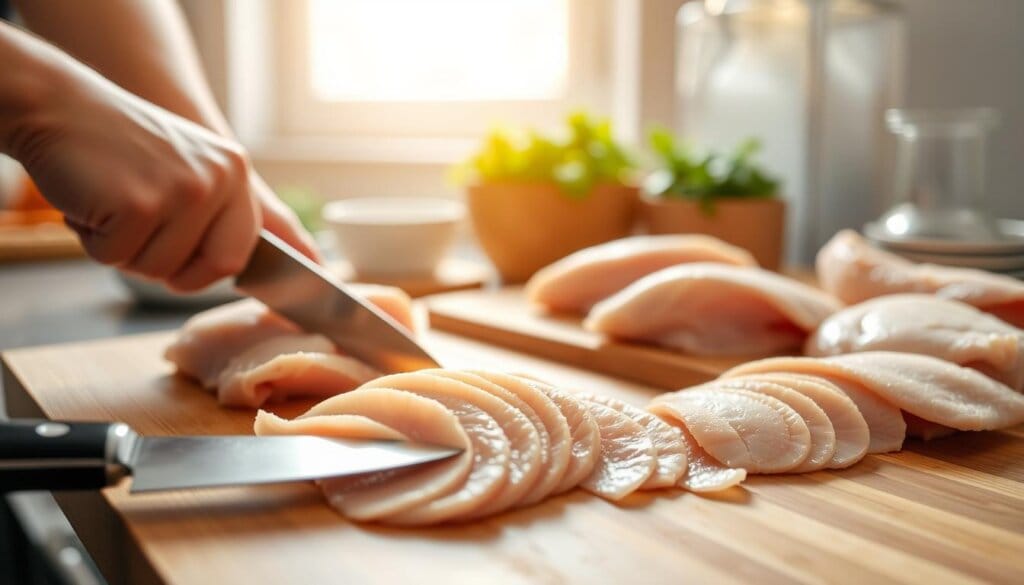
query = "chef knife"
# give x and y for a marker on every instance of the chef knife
(47, 455)
(299, 289)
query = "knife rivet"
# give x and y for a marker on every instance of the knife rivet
(50, 430)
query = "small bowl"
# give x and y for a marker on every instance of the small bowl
(394, 236)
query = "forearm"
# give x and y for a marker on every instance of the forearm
(32, 71)
(142, 45)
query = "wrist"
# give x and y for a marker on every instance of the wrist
(28, 90)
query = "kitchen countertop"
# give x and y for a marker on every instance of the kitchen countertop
(54, 302)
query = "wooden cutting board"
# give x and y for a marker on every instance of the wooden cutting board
(949, 511)
(504, 317)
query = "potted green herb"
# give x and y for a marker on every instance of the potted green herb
(728, 196)
(534, 199)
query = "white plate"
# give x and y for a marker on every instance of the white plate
(992, 263)
(1013, 229)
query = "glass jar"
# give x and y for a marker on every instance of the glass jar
(938, 189)
(811, 79)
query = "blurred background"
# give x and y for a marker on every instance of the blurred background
(338, 99)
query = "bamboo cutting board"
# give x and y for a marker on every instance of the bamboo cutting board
(949, 511)
(504, 317)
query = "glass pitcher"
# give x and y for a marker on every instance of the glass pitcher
(810, 78)
(938, 187)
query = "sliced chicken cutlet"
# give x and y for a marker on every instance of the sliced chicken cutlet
(667, 440)
(854, 271)
(936, 390)
(288, 366)
(823, 436)
(584, 433)
(578, 281)
(928, 325)
(525, 449)
(209, 340)
(340, 426)
(739, 428)
(850, 428)
(885, 421)
(560, 444)
(714, 309)
(628, 458)
(703, 473)
(249, 354)
(522, 457)
(375, 496)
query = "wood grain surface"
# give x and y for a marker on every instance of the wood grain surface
(504, 317)
(948, 511)
(19, 243)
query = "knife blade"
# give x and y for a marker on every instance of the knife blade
(302, 291)
(48, 455)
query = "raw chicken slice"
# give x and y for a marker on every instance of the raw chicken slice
(420, 419)
(628, 458)
(928, 325)
(209, 340)
(884, 419)
(394, 301)
(703, 472)
(714, 309)
(576, 282)
(527, 448)
(936, 390)
(586, 438)
(667, 440)
(286, 366)
(851, 269)
(522, 457)
(823, 436)
(851, 430)
(339, 426)
(740, 428)
(583, 429)
(559, 438)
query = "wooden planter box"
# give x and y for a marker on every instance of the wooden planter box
(525, 226)
(758, 225)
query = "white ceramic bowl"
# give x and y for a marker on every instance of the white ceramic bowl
(394, 236)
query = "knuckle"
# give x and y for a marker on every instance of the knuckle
(192, 188)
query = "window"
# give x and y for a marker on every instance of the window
(435, 68)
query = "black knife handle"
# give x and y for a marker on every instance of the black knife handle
(49, 455)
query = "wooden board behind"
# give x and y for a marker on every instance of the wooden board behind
(949, 511)
(21, 243)
(503, 317)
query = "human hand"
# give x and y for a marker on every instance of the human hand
(146, 190)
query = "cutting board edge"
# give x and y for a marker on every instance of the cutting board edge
(665, 376)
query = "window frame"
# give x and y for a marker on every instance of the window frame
(300, 113)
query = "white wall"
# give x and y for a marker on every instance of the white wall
(971, 53)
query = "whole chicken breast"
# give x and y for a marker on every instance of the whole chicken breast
(578, 281)
(928, 325)
(714, 309)
(853, 271)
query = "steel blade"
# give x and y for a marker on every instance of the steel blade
(163, 463)
(299, 289)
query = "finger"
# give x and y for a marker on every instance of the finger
(281, 221)
(285, 225)
(175, 242)
(117, 240)
(225, 247)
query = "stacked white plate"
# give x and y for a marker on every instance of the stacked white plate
(1004, 255)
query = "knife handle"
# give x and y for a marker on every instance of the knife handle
(49, 455)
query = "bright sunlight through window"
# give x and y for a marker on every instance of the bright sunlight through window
(438, 50)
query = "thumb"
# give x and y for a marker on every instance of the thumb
(281, 221)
